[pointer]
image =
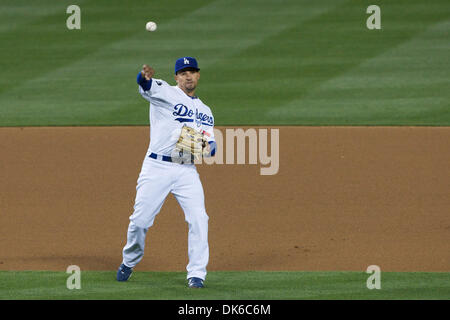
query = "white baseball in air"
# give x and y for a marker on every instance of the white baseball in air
(150, 26)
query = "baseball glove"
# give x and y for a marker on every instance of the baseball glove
(191, 142)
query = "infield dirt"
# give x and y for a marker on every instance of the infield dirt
(344, 198)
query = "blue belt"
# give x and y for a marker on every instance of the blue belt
(164, 158)
(169, 159)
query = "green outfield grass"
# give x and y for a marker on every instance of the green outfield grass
(264, 62)
(226, 286)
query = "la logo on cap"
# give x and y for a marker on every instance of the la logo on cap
(186, 61)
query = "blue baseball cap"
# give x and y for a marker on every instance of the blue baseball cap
(186, 62)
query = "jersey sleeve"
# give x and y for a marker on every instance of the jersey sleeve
(152, 90)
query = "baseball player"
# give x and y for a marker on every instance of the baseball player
(181, 130)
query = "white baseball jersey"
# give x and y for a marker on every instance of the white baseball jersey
(170, 109)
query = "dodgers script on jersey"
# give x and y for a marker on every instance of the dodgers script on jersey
(170, 109)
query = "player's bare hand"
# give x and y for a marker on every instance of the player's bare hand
(206, 148)
(147, 72)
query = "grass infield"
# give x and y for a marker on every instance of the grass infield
(263, 62)
(254, 285)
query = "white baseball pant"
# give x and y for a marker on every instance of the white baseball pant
(156, 180)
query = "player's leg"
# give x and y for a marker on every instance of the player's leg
(134, 249)
(188, 191)
(151, 191)
(154, 184)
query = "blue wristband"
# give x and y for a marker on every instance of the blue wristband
(212, 146)
(145, 84)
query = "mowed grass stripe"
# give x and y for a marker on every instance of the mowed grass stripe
(15, 14)
(263, 62)
(101, 103)
(226, 285)
(312, 53)
(405, 82)
(41, 45)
